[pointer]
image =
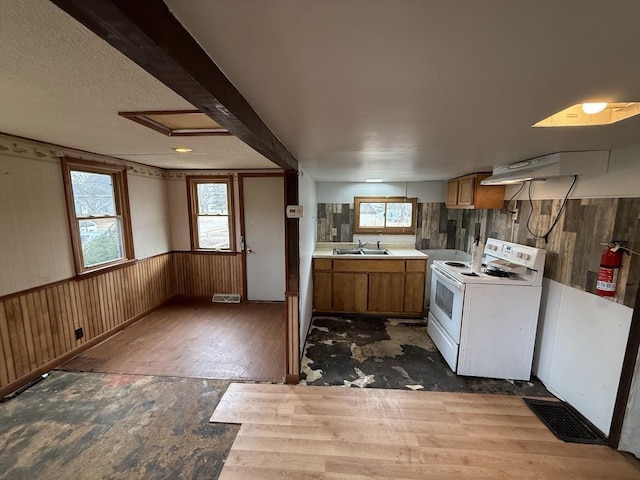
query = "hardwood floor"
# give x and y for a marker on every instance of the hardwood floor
(197, 339)
(299, 432)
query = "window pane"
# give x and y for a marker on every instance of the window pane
(212, 199)
(92, 194)
(399, 214)
(213, 232)
(372, 214)
(101, 240)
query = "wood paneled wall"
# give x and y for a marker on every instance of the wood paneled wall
(37, 327)
(203, 274)
(573, 248)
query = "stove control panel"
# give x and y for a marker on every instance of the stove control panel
(524, 255)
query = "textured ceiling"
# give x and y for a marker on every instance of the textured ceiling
(355, 89)
(421, 90)
(61, 84)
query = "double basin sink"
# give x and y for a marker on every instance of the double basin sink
(360, 251)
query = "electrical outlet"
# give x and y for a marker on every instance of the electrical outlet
(79, 333)
(514, 215)
(334, 232)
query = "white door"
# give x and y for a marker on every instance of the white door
(264, 237)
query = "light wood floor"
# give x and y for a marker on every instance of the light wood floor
(299, 432)
(196, 339)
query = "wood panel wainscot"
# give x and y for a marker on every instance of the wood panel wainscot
(203, 274)
(379, 286)
(37, 327)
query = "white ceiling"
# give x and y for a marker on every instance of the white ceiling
(396, 89)
(62, 84)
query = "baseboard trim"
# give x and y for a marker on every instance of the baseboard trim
(29, 377)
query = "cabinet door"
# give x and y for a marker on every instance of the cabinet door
(414, 293)
(322, 291)
(452, 193)
(349, 292)
(386, 292)
(466, 190)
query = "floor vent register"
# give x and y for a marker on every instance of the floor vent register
(564, 422)
(226, 298)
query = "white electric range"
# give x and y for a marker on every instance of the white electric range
(484, 324)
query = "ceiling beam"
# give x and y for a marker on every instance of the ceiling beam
(147, 32)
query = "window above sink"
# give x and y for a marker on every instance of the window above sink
(392, 215)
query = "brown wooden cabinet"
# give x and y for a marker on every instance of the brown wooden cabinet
(375, 286)
(467, 192)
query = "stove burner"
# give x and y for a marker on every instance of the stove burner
(497, 273)
(470, 274)
(455, 264)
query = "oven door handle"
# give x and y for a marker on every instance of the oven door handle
(447, 278)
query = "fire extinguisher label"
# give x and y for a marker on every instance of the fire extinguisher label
(607, 279)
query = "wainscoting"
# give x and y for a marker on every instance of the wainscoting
(202, 274)
(37, 327)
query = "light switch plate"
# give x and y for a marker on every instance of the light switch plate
(334, 232)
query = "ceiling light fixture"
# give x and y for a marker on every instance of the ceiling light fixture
(374, 180)
(591, 114)
(593, 108)
(182, 149)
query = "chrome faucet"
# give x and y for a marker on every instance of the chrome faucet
(362, 245)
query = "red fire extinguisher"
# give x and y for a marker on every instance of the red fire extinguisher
(610, 263)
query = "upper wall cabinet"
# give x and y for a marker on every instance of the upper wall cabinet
(466, 192)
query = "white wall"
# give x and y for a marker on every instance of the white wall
(621, 180)
(35, 244)
(149, 205)
(307, 230)
(580, 348)
(179, 214)
(343, 192)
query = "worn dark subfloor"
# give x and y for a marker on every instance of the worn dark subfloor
(390, 353)
(110, 426)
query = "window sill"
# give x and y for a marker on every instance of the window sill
(106, 268)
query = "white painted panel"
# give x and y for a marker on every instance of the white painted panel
(339, 192)
(149, 206)
(35, 244)
(498, 337)
(547, 328)
(264, 231)
(586, 359)
(179, 214)
(307, 229)
(622, 180)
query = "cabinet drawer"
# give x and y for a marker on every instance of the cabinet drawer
(322, 264)
(416, 265)
(368, 265)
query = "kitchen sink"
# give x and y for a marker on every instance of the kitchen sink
(360, 251)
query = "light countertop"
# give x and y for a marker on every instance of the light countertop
(396, 250)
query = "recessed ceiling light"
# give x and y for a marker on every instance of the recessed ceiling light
(374, 180)
(182, 149)
(591, 114)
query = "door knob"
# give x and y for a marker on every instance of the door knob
(248, 250)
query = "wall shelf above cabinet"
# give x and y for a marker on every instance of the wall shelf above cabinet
(467, 192)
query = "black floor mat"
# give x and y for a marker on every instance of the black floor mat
(564, 422)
